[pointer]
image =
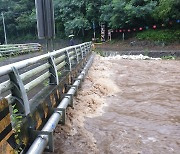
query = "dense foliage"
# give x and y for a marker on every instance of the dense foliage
(163, 35)
(78, 16)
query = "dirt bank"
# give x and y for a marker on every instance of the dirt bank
(137, 45)
(125, 106)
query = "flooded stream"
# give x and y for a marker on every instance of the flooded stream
(125, 106)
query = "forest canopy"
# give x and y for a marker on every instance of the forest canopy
(78, 16)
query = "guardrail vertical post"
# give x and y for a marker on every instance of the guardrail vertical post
(86, 50)
(68, 61)
(90, 46)
(19, 92)
(82, 54)
(77, 58)
(53, 71)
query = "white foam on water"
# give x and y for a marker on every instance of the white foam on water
(131, 57)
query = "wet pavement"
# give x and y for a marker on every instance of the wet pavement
(125, 106)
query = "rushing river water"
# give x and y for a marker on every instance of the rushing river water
(144, 117)
(125, 106)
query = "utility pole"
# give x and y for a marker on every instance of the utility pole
(5, 37)
(123, 36)
(94, 28)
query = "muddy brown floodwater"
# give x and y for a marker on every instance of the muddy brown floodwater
(124, 106)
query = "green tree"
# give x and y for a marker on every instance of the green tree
(126, 13)
(78, 15)
(167, 10)
(19, 17)
(71, 12)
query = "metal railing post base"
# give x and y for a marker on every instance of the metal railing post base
(50, 145)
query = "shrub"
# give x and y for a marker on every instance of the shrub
(160, 35)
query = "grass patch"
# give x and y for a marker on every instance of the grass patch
(46, 83)
(2, 58)
(146, 52)
(99, 52)
(170, 57)
(114, 41)
(22, 38)
(166, 35)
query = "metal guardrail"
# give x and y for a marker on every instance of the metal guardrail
(37, 90)
(13, 49)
